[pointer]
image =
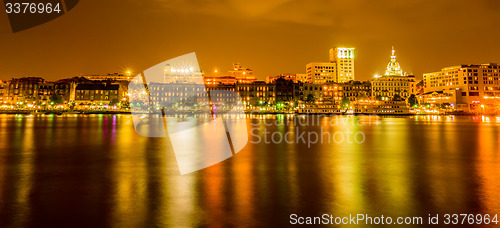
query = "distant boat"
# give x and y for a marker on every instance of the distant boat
(383, 108)
(323, 108)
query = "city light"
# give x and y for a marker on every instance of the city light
(384, 89)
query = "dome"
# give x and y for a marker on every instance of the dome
(393, 68)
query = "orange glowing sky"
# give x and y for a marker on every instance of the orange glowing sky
(270, 37)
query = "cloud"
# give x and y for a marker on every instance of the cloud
(328, 13)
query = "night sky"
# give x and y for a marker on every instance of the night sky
(270, 37)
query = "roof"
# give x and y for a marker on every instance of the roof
(431, 92)
(97, 87)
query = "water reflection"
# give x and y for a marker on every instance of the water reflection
(96, 171)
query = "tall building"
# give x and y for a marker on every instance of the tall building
(478, 84)
(320, 72)
(394, 82)
(344, 60)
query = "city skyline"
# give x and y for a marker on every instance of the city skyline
(263, 113)
(270, 39)
(220, 72)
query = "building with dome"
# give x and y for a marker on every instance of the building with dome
(395, 82)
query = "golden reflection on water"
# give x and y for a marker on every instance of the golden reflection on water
(488, 170)
(56, 169)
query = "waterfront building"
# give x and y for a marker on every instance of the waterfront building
(223, 93)
(72, 83)
(287, 90)
(393, 83)
(258, 92)
(344, 63)
(321, 99)
(97, 94)
(445, 100)
(313, 92)
(45, 92)
(192, 96)
(177, 94)
(356, 90)
(332, 93)
(321, 72)
(54, 93)
(478, 84)
(4, 91)
(24, 91)
(63, 91)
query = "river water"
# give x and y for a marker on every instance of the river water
(96, 171)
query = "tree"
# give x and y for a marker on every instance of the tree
(125, 104)
(345, 102)
(310, 97)
(189, 103)
(114, 102)
(412, 100)
(396, 97)
(55, 99)
(255, 101)
(378, 98)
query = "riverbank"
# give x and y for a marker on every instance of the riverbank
(127, 112)
(57, 112)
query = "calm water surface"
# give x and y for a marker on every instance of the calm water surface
(95, 171)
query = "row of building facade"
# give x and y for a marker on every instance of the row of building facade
(85, 90)
(470, 88)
